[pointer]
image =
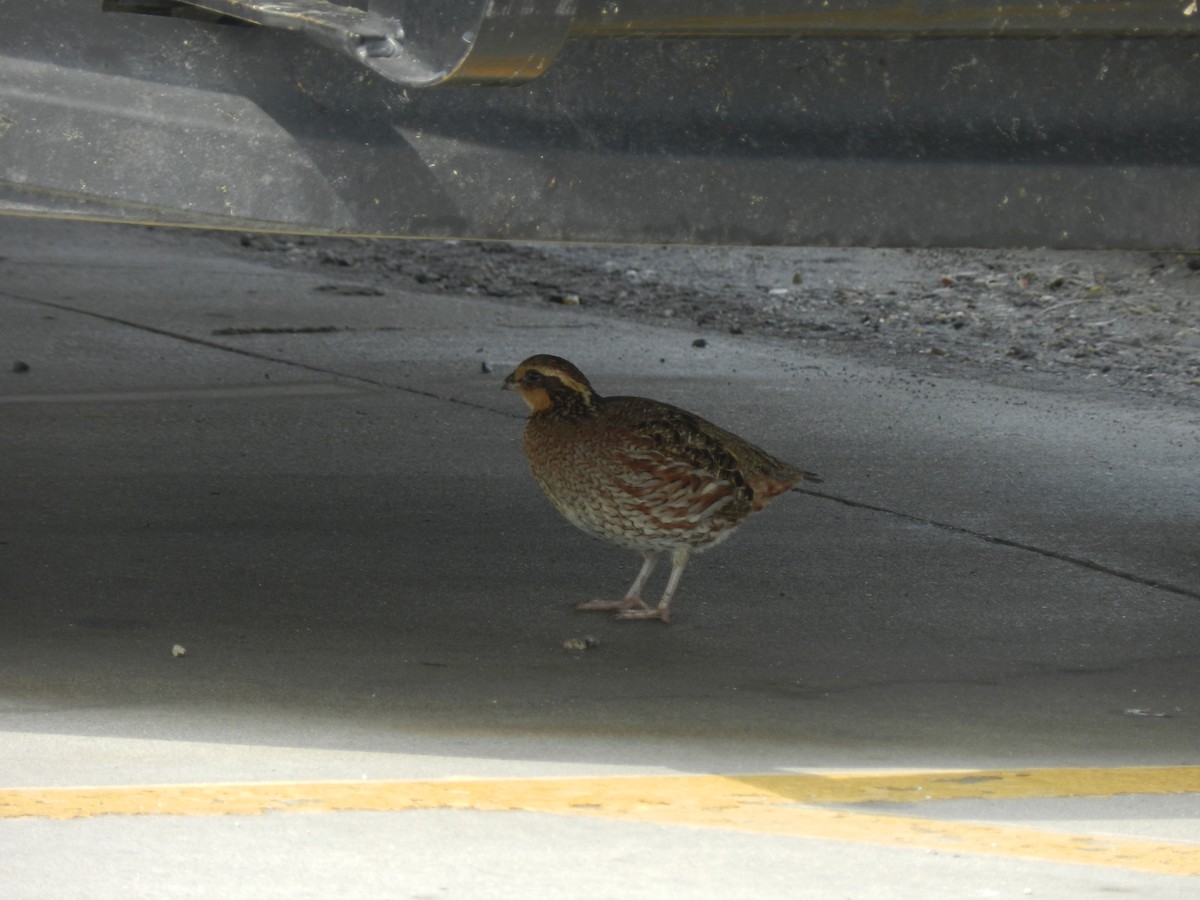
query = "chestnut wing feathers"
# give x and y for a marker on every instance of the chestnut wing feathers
(694, 469)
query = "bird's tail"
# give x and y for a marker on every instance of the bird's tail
(785, 478)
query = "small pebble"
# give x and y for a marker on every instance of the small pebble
(579, 644)
(699, 342)
(329, 258)
(19, 366)
(179, 650)
(485, 367)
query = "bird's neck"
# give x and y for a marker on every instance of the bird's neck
(569, 406)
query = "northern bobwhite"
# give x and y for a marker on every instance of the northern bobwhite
(639, 473)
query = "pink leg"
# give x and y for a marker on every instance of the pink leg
(633, 597)
(679, 559)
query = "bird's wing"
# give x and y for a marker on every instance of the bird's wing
(709, 450)
(674, 465)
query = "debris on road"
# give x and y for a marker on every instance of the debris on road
(579, 644)
(1125, 319)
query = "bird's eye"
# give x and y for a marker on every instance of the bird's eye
(533, 376)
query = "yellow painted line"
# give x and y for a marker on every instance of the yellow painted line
(1014, 784)
(761, 804)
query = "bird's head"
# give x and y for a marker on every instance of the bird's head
(550, 383)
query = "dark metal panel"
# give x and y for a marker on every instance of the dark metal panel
(885, 18)
(1082, 143)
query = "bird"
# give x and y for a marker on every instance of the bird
(643, 475)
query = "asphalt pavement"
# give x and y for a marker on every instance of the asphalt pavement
(282, 612)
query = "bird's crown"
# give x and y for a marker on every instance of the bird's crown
(548, 383)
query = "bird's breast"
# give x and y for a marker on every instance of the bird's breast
(610, 485)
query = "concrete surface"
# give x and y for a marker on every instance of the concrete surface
(339, 528)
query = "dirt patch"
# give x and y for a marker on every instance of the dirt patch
(1101, 321)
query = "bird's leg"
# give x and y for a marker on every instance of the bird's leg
(633, 596)
(679, 559)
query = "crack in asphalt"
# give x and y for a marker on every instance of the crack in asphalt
(251, 354)
(1008, 542)
(1081, 562)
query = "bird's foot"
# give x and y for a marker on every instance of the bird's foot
(662, 613)
(611, 605)
(623, 605)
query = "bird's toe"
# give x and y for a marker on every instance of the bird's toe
(658, 612)
(625, 604)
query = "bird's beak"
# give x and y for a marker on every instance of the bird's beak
(510, 383)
